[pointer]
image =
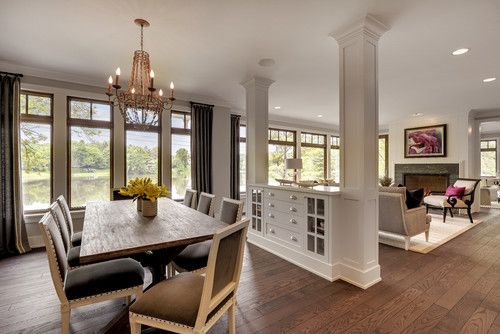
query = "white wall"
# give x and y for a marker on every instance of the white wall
(457, 140)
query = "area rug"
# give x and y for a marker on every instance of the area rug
(494, 205)
(439, 234)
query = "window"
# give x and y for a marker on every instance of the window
(142, 151)
(488, 157)
(243, 158)
(335, 158)
(36, 150)
(313, 154)
(90, 151)
(383, 155)
(181, 153)
(281, 146)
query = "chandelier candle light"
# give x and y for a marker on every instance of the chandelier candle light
(140, 104)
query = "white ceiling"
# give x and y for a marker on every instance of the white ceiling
(208, 47)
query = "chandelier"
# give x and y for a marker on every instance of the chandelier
(140, 104)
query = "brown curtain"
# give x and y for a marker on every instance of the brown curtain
(13, 237)
(201, 146)
(235, 157)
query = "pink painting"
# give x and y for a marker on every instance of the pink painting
(429, 141)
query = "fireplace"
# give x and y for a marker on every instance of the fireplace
(430, 182)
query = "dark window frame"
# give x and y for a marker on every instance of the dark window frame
(41, 119)
(88, 123)
(324, 146)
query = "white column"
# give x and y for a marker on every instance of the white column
(257, 105)
(359, 150)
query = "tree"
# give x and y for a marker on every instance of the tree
(181, 170)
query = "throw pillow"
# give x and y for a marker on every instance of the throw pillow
(414, 198)
(456, 192)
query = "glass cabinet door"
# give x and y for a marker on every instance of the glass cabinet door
(316, 216)
(256, 209)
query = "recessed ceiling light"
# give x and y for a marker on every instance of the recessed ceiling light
(277, 108)
(460, 51)
(417, 114)
(320, 116)
(267, 62)
(489, 79)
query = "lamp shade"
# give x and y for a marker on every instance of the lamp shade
(293, 163)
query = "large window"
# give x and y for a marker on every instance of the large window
(243, 158)
(90, 151)
(281, 147)
(335, 158)
(36, 150)
(488, 157)
(383, 155)
(142, 151)
(313, 154)
(181, 153)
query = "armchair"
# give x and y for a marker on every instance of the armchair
(447, 203)
(395, 217)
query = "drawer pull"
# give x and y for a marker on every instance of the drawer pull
(293, 197)
(271, 230)
(293, 238)
(271, 205)
(293, 209)
(271, 194)
(293, 221)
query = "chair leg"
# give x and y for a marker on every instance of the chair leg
(427, 235)
(135, 327)
(65, 319)
(470, 215)
(445, 210)
(451, 213)
(407, 243)
(232, 318)
(427, 209)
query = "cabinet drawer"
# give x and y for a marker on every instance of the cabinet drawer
(282, 195)
(287, 220)
(283, 235)
(295, 208)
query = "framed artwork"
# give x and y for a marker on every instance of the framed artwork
(425, 141)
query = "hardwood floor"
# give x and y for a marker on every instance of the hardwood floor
(453, 289)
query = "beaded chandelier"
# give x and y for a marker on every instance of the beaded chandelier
(140, 104)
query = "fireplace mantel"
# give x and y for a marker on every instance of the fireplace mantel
(451, 170)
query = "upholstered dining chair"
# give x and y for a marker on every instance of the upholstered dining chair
(190, 198)
(89, 284)
(192, 302)
(447, 203)
(76, 237)
(206, 204)
(72, 253)
(195, 257)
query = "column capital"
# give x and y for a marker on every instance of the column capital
(367, 25)
(258, 82)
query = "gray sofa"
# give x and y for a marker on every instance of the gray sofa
(395, 217)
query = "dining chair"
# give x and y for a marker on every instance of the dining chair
(192, 302)
(206, 204)
(190, 198)
(89, 284)
(195, 257)
(72, 253)
(76, 237)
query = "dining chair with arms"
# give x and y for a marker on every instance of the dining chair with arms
(190, 198)
(76, 237)
(195, 257)
(192, 302)
(206, 204)
(89, 284)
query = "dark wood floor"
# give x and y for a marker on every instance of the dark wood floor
(453, 289)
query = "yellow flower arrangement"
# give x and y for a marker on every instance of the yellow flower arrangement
(143, 187)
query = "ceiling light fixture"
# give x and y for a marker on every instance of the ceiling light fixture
(267, 62)
(277, 108)
(489, 79)
(417, 114)
(140, 104)
(460, 51)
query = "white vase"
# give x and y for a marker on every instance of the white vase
(149, 209)
(139, 204)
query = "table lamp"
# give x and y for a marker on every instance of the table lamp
(294, 164)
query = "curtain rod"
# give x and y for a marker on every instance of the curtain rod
(9, 73)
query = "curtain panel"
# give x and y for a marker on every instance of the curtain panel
(13, 237)
(201, 146)
(235, 157)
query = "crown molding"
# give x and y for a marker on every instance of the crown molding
(368, 25)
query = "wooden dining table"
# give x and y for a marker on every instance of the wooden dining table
(116, 229)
